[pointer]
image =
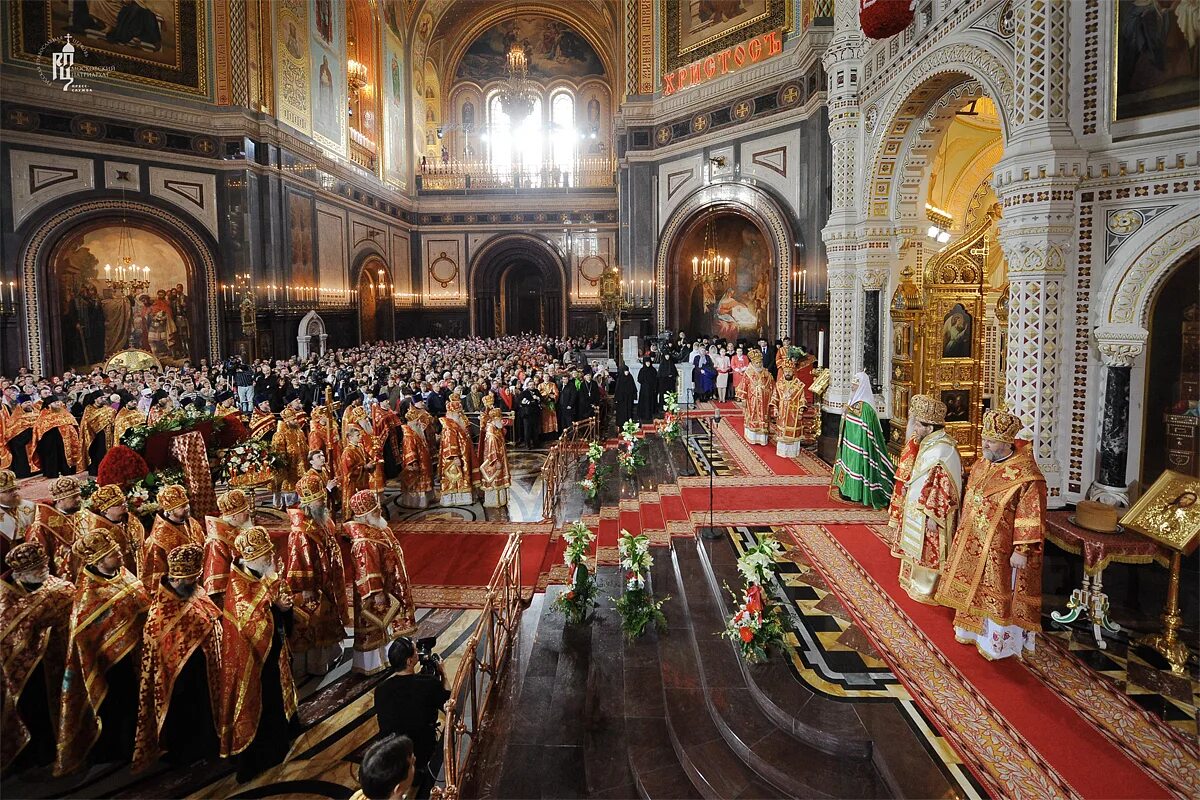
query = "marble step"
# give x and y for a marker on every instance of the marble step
(713, 766)
(824, 723)
(787, 762)
(900, 757)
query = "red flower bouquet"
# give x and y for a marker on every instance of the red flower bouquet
(122, 466)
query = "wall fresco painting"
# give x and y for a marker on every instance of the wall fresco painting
(693, 29)
(328, 74)
(553, 48)
(737, 307)
(395, 163)
(160, 43)
(1158, 58)
(99, 320)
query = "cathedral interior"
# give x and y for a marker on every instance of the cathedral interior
(979, 217)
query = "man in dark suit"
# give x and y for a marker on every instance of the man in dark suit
(768, 352)
(569, 398)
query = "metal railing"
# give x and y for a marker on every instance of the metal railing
(482, 668)
(560, 464)
(597, 172)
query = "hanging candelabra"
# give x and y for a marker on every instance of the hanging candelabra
(126, 278)
(710, 266)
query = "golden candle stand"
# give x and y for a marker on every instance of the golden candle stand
(1169, 514)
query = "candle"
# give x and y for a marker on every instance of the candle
(12, 293)
(820, 349)
(287, 293)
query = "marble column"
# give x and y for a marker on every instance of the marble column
(843, 65)
(871, 334)
(1119, 349)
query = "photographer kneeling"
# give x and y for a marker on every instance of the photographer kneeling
(408, 704)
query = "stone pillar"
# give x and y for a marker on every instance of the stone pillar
(1119, 348)
(843, 68)
(1036, 183)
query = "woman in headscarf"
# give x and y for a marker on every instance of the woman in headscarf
(863, 472)
(707, 384)
(626, 396)
(647, 392)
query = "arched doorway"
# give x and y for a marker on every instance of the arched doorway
(734, 301)
(120, 283)
(376, 320)
(517, 286)
(1172, 387)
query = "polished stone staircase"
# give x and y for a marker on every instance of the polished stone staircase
(677, 713)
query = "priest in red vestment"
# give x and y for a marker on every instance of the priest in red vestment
(55, 525)
(35, 615)
(236, 512)
(181, 667)
(383, 601)
(416, 473)
(108, 512)
(97, 722)
(257, 723)
(56, 441)
(173, 526)
(314, 572)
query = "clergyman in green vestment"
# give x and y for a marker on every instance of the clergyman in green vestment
(863, 472)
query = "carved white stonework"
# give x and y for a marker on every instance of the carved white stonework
(1120, 345)
(1129, 290)
(39, 178)
(122, 175)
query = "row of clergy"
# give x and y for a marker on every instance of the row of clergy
(974, 545)
(120, 645)
(785, 402)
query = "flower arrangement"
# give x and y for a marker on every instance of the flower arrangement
(756, 562)
(142, 496)
(593, 481)
(122, 465)
(87, 488)
(580, 599)
(637, 606)
(629, 452)
(757, 624)
(668, 426)
(177, 422)
(754, 627)
(248, 464)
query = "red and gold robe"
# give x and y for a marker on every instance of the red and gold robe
(324, 436)
(313, 564)
(378, 568)
(1003, 510)
(218, 553)
(456, 461)
(55, 532)
(387, 430)
(904, 468)
(165, 536)
(291, 443)
(129, 536)
(756, 392)
(175, 628)
(354, 470)
(247, 629)
(416, 472)
(19, 420)
(97, 421)
(106, 626)
(787, 407)
(125, 419)
(50, 419)
(549, 393)
(34, 629)
(262, 426)
(493, 467)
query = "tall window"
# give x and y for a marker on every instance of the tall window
(562, 131)
(507, 144)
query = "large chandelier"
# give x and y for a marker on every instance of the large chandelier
(710, 266)
(126, 278)
(517, 94)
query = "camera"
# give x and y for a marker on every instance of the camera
(430, 661)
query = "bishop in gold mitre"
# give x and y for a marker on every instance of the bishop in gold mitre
(993, 575)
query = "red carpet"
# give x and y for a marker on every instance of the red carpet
(450, 569)
(759, 498)
(1086, 760)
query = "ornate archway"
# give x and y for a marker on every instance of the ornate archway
(738, 199)
(44, 347)
(500, 274)
(376, 320)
